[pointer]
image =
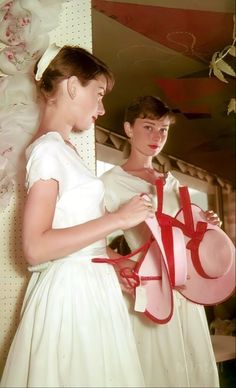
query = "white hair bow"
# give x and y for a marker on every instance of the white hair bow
(46, 59)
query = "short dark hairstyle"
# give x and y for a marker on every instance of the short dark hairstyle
(147, 107)
(73, 61)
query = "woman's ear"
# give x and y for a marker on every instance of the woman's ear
(72, 85)
(128, 129)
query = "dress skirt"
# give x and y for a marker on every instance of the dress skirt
(178, 353)
(74, 330)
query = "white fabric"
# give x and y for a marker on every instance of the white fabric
(179, 353)
(75, 330)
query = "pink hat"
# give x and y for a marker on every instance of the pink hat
(210, 256)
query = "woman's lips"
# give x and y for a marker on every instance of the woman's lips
(153, 146)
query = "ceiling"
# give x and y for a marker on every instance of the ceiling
(164, 47)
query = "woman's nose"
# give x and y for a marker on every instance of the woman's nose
(156, 134)
(101, 109)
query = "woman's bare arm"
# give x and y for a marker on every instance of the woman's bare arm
(42, 243)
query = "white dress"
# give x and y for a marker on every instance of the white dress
(75, 329)
(179, 353)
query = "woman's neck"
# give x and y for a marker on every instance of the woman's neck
(136, 162)
(54, 118)
(143, 168)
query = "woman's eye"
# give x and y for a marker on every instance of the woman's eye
(148, 128)
(164, 129)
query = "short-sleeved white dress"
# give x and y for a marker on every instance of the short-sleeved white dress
(75, 329)
(179, 353)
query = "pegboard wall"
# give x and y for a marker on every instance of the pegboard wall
(74, 28)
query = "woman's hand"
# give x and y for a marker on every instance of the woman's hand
(127, 280)
(135, 211)
(124, 267)
(212, 218)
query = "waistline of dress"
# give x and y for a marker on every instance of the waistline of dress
(80, 257)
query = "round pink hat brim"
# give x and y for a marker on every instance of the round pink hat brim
(209, 291)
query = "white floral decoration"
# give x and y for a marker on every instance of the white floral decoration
(6, 184)
(24, 37)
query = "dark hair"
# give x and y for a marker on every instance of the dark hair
(147, 107)
(73, 61)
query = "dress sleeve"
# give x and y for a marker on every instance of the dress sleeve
(173, 183)
(111, 196)
(44, 163)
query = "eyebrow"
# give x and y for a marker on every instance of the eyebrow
(149, 121)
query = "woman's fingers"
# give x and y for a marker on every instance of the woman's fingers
(213, 218)
(136, 211)
(147, 201)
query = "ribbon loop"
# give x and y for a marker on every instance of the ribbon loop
(197, 236)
